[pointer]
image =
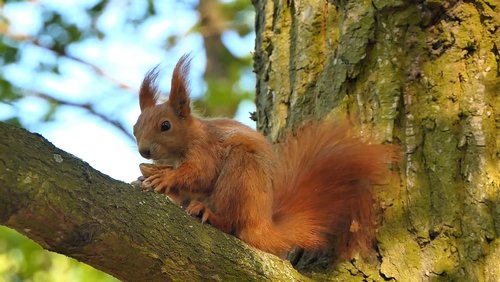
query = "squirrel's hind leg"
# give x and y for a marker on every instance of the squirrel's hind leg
(197, 208)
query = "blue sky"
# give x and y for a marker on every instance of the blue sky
(124, 55)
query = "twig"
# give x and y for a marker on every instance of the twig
(87, 106)
(63, 53)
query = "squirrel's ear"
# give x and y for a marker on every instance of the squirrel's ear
(148, 94)
(179, 89)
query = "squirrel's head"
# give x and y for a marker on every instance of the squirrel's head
(163, 130)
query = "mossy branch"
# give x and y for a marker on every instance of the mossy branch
(68, 207)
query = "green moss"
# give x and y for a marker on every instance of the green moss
(279, 76)
(402, 258)
(357, 30)
(383, 4)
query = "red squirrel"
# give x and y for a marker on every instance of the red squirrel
(311, 187)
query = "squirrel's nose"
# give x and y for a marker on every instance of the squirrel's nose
(145, 152)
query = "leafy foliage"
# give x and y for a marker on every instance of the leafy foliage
(51, 43)
(23, 260)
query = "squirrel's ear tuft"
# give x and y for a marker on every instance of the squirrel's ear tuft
(148, 94)
(179, 89)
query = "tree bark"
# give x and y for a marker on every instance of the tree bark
(422, 74)
(66, 206)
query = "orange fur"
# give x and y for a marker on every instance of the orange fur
(317, 185)
(148, 92)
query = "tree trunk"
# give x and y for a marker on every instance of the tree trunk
(66, 206)
(422, 74)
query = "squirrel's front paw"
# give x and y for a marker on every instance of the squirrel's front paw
(160, 183)
(197, 208)
(156, 177)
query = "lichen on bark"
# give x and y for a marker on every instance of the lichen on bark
(423, 75)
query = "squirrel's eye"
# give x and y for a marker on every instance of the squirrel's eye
(165, 126)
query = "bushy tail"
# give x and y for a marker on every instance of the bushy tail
(324, 189)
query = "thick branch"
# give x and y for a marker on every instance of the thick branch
(70, 208)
